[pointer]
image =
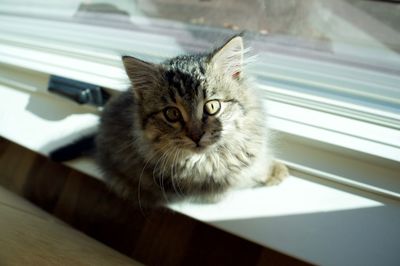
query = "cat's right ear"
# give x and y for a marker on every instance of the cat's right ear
(144, 76)
(228, 59)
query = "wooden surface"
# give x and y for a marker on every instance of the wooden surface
(153, 238)
(30, 236)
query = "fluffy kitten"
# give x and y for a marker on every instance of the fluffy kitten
(190, 127)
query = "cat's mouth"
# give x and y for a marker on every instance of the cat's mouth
(199, 148)
(195, 147)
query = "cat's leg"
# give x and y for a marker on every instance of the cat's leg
(277, 174)
(139, 194)
(261, 175)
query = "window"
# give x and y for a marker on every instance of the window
(356, 42)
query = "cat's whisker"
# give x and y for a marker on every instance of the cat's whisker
(174, 165)
(140, 180)
(155, 169)
(160, 170)
(179, 181)
(171, 163)
(156, 152)
(129, 144)
(161, 175)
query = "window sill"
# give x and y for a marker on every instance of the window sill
(314, 219)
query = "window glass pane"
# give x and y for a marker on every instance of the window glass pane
(328, 23)
(347, 50)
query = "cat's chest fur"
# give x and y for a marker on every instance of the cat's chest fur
(215, 164)
(225, 165)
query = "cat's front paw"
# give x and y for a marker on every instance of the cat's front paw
(278, 173)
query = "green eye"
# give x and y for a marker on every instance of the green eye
(212, 107)
(172, 114)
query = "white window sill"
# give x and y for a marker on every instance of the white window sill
(306, 217)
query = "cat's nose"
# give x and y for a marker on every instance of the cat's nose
(195, 135)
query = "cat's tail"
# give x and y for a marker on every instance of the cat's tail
(80, 147)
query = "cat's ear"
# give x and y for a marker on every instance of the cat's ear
(228, 59)
(143, 75)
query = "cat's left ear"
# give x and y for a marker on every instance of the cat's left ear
(228, 59)
(144, 76)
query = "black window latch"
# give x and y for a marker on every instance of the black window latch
(78, 91)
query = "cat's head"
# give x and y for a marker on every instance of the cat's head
(190, 102)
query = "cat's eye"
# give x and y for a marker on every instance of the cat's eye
(212, 107)
(172, 114)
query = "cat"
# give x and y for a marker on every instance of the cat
(191, 127)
